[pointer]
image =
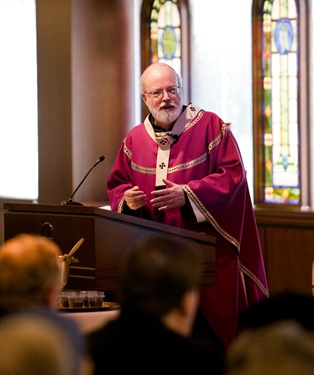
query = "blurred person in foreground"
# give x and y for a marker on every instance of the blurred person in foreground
(182, 167)
(30, 275)
(283, 347)
(276, 337)
(280, 306)
(158, 293)
(31, 344)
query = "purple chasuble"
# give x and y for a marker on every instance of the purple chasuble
(206, 161)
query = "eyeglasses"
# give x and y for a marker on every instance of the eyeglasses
(158, 93)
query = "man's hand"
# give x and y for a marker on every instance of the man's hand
(171, 197)
(135, 198)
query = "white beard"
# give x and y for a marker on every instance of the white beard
(164, 116)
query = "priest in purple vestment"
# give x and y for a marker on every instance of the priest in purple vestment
(183, 167)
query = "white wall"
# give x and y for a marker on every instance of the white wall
(221, 74)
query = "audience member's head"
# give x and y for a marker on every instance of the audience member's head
(32, 344)
(286, 305)
(29, 272)
(276, 337)
(283, 347)
(160, 277)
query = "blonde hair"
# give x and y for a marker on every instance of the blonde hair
(28, 268)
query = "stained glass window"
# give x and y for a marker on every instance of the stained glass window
(280, 102)
(165, 33)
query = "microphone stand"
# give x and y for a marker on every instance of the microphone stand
(70, 202)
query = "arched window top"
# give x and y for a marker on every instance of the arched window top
(165, 33)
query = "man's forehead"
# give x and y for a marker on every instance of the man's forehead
(161, 77)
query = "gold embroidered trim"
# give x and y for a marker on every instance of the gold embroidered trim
(192, 123)
(210, 218)
(127, 151)
(214, 143)
(179, 167)
(120, 206)
(252, 276)
(190, 164)
(141, 169)
(218, 139)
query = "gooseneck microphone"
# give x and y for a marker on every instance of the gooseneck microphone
(70, 202)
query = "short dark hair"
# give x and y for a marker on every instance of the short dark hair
(156, 273)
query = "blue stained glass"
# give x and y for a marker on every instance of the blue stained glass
(283, 36)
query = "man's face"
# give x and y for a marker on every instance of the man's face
(163, 96)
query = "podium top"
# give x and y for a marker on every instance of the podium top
(91, 210)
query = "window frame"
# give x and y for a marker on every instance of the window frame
(303, 107)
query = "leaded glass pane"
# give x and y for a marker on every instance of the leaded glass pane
(165, 28)
(281, 136)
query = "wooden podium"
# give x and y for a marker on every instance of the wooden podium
(107, 235)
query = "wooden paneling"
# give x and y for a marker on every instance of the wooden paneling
(287, 242)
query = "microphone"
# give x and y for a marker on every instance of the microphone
(69, 202)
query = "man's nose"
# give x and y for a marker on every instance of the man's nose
(164, 91)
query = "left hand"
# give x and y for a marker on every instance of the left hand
(171, 197)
